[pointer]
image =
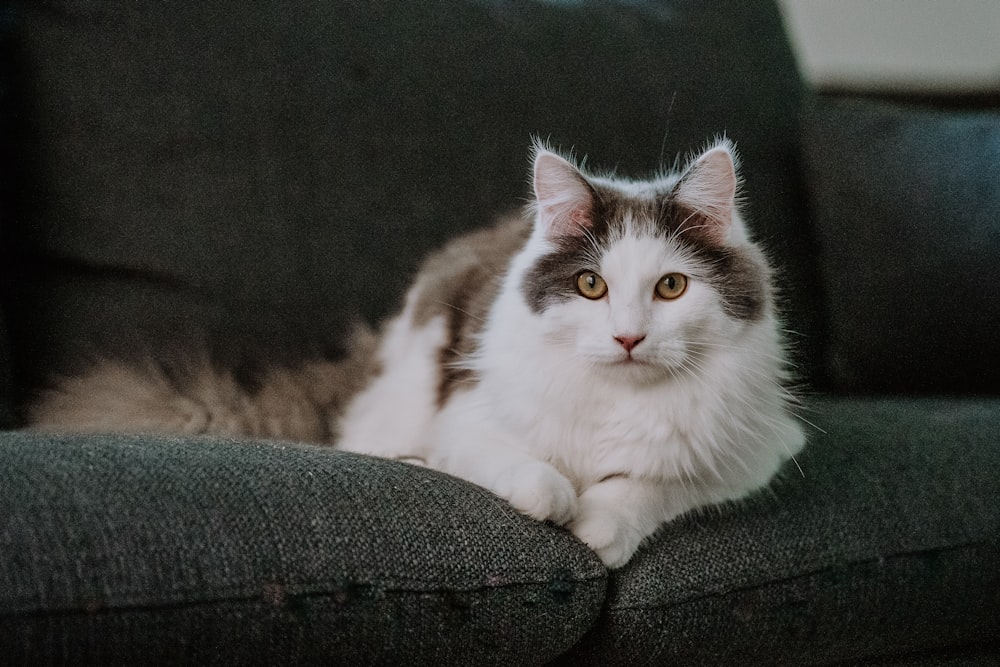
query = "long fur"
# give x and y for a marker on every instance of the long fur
(194, 396)
(496, 371)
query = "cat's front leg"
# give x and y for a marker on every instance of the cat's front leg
(534, 488)
(531, 486)
(616, 514)
(467, 444)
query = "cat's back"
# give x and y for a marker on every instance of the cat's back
(423, 350)
(459, 284)
(466, 274)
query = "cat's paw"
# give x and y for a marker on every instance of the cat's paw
(538, 490)
(606, 534)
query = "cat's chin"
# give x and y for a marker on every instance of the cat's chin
(636, 371)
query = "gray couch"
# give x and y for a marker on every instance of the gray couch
(250, 176)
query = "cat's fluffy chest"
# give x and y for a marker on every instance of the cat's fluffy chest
(588, 426)
(631, 434)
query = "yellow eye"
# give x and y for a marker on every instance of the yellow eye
(591, 285)
(671, 286)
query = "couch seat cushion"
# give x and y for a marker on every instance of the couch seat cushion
(886, 543)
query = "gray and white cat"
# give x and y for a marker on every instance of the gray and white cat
(608, 361)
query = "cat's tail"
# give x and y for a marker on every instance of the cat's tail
(301, 402)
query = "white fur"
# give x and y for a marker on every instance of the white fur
(392, 417)
(561, 423)
(638, 445)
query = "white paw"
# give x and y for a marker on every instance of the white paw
(538, 490)
(605, 533)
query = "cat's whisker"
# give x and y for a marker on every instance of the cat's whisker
(787, 395)
(737, 348)
(455, 308)
(739, 429)
(773, 424)
(807, 422)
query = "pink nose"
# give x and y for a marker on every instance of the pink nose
(629, 342)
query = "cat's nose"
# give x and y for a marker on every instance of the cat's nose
(629, 342)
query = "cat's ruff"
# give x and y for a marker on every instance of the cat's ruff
(607, 361)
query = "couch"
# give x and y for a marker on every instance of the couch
(252, 177)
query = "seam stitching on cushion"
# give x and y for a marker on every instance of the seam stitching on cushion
(275, 592)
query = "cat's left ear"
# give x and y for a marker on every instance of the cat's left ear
(564, 198)
(707, 191)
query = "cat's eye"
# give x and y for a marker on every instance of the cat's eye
(591, 285)
(671, 286)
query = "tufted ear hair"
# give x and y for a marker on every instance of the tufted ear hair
(707, 192)
(564, 199)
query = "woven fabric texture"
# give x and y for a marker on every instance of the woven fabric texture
(122, 550)
(887, 543)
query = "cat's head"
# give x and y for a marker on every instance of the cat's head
(641, 279)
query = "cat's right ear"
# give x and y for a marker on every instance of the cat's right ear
(707, 190)
(564, 198)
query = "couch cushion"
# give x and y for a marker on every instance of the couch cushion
(124, 551)
(252, 170)
(907, 211)
(886, 544)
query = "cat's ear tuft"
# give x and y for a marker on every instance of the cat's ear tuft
(564, 198)
(707, 190)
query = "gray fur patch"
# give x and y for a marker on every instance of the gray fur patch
(460, 282)
(739, 274)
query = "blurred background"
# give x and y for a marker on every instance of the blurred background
(897, 46)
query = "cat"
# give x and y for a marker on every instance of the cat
(606, 361)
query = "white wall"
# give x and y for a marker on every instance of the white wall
(943, 46)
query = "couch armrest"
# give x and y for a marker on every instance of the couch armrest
(906, 205)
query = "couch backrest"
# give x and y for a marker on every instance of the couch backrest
(6, 202)
(265, 171)
(6, 388)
